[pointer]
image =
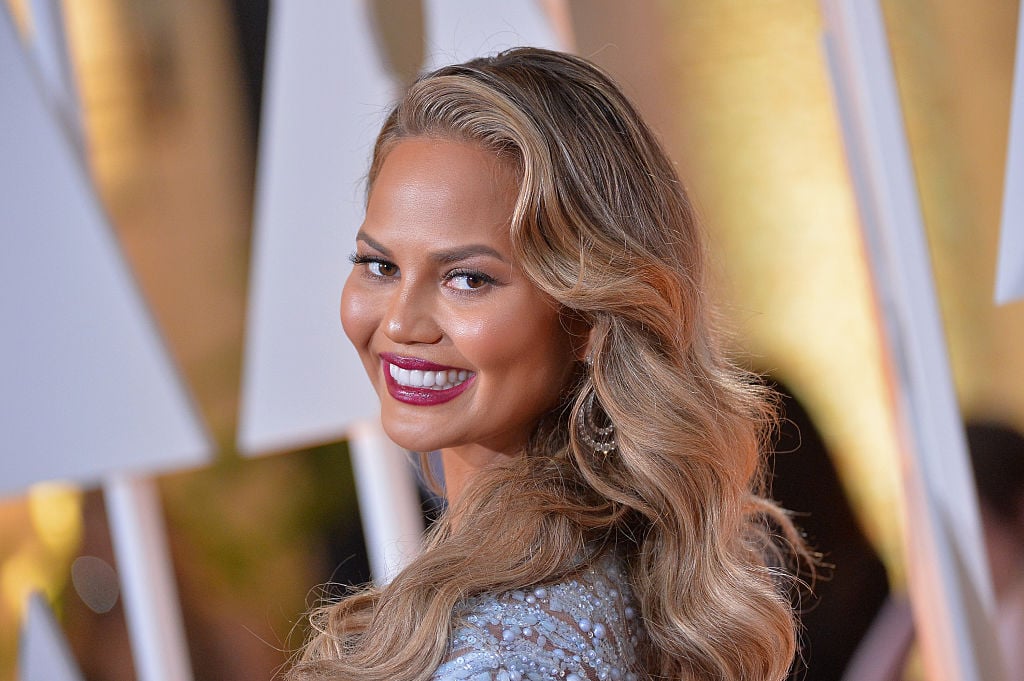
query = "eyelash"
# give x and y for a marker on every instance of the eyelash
(357, 259)
(486, 279)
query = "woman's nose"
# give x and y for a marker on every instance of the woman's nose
(410, 318)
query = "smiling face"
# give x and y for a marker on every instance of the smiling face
(463, 350)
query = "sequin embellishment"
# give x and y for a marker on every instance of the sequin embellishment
(585, 629)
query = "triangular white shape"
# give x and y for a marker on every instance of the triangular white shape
(327, 92)
(1010, 273)
(88, 387)
(50, 49)
(44, 654)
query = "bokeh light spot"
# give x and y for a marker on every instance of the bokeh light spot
(95, 583)
(56, 513)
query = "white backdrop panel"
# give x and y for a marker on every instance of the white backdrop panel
(87, 385)
(44, 653)
(327, 91)
(50, 48)
(327, 94)
(1010, 276)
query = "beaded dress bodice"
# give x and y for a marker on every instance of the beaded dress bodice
(584, 629)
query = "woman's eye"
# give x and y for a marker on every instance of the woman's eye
(375, 266)
(468, 281)
(381, 269)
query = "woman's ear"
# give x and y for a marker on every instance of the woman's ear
(584, 350)
(580, 332)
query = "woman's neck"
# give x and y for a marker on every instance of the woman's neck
(461, 464)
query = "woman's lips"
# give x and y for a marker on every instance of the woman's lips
(417, 381)
(413, 363)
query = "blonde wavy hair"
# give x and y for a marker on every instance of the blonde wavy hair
(602, 225)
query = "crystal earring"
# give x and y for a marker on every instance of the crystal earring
(599, 438)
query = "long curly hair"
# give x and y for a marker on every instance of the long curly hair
(602, 225)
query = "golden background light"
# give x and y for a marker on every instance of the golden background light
(954, 65)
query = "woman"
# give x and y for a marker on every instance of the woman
(528, 297)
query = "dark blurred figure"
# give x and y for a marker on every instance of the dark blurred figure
(851, 585)
(997, 455)
(251, 18)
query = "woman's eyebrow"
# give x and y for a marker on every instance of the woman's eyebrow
(372, 243)
(443, 256)
(450, 255)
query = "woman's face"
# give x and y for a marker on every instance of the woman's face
(461, 347)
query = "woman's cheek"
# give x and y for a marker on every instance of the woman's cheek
(357, 314)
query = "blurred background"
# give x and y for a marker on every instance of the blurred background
(738, 91)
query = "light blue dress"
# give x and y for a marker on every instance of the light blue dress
(585, 629)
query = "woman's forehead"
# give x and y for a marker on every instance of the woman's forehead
(441, 189)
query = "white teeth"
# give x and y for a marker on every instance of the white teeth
(435, 380)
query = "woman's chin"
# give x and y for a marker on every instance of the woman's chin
(413, 439)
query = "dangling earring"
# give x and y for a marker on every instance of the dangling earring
(599, 438)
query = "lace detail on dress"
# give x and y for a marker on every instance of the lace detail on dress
(585, 629)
